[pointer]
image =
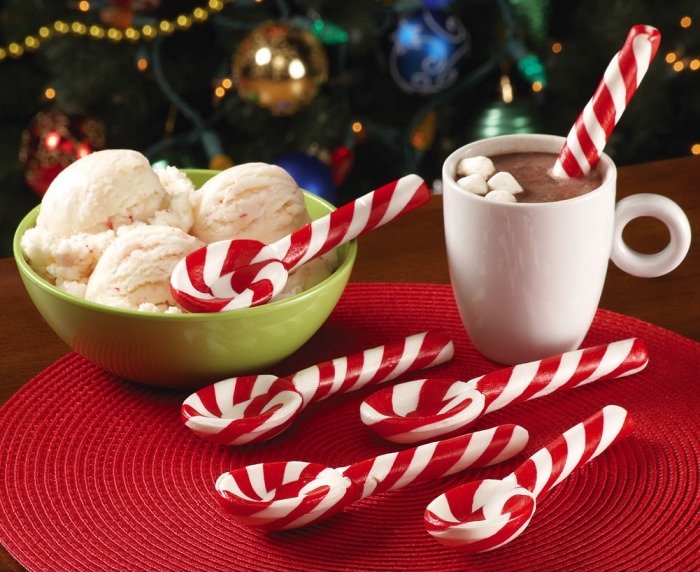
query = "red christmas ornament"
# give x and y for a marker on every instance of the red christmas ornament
(120, 13)
(54, 140)
(342, 159)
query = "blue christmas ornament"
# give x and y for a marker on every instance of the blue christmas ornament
(310, 173)
(426, 49)
(436, 4)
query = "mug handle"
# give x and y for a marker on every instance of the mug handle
(671, 215)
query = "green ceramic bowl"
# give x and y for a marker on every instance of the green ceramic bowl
(187, 350)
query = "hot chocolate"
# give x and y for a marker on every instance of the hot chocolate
(527, 278)
(532, 171)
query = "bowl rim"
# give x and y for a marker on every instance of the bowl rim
(30, 274)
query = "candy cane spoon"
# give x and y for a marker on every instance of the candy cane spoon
(424, 409)
(290, 494)
(486, 514)
(241, 273)
(255, 408)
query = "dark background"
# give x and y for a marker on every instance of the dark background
(165, 116)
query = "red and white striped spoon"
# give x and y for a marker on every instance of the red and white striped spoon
(290, 494)
(241, 273)
(254, 408)
(591, 131)
(485, 514)
(428, 408)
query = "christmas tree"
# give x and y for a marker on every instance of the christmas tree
(344, 95)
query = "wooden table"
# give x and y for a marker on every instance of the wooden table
(412, 250)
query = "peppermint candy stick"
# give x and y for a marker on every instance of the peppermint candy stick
(427, 408)
(254, 408)
(240, 273)
(362, 215)
(485, 514)
(592, 129)
(282, 495)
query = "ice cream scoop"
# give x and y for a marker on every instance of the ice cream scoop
(240, 273)
(290, 494)
(252, 200)
(485, 514)
(254, 408)
(423, 409)
(101, 191)
(83, 207)
(134, 270)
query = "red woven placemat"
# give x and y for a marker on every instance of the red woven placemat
(97, 473)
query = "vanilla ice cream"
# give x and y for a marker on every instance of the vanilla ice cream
(261, 202)
(111, 228)
(308, 275)
(102, 191)
(134, 270)
(89, 200)
(66, 261)
(252, 200)
(177, 209)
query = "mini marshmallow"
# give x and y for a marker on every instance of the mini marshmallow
(504, 181)
(474, 184)
(501, 197)
(479, 165)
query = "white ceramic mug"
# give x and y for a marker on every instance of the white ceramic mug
(527, 277)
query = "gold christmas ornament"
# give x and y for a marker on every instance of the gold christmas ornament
(279, 67)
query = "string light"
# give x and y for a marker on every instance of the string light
(166, 27)
(114, 34)
(15, 49)
(695, 148)
(200, 14)
(97, 32)
(49, 93)
(183, 21)
(357, 127)
(329, 33)
(222, 88)
(52, 140)
(131, 34)
(61, 27)
(557, 47)
(148, 31)
(31, 42)
(506, 89)
(679, 62)
(78, 28)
